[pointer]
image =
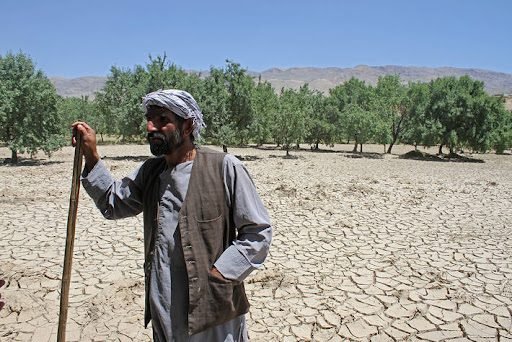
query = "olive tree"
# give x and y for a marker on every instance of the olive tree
(29, 119)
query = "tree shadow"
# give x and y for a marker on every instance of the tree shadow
(128, 158)
(290, 156)
(319, 150)
(452, 157)
(345, 153)
(30, 162)
(365, 155)
(267, 148)
(302, 149)
(247, 158)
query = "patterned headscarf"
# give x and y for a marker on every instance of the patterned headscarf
(180, 103)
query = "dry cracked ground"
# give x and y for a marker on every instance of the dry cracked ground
(366, 247)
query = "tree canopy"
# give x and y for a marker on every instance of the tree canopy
(29, 120)
(239, 108)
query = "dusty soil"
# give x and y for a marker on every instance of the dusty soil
(366, 247)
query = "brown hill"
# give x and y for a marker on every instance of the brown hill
(325, 78)
(322, 78)
(77, 87)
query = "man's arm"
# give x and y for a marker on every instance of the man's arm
(251, 219)
(115, 199)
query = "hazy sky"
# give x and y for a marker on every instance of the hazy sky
(83, 38)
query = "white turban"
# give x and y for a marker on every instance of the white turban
(180, 103)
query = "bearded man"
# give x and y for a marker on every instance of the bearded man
(205, 227)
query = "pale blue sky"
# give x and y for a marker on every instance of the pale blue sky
(85, 38)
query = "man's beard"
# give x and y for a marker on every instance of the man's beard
(161, 144)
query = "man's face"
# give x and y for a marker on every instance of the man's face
(164, 131)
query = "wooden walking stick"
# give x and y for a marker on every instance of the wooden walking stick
(70, 238)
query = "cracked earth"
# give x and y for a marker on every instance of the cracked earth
(365, 249)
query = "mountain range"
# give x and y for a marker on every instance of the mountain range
(321, 79)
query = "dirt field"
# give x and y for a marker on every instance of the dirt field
(367, 247)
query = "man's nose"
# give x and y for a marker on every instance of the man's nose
(150, 126)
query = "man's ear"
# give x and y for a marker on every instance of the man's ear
(188, 127)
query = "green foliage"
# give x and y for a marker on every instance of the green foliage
(264, 106)
(119, 102)
(390, 103)
(213, 101)
(322, 122)
(240, 88)
(225, 97)
(360, 125)
(289, 124)
(73, 109)
(237, 110)
(501, 134)
(352, 92)
(29, 120)
(419, 127)
(359, 120)
(463, 110)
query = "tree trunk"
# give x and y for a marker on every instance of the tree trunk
(316, 146)
(360, 148)
(384, 148)
(355, 148)
(395, 133)
(287, 150)
(14, 157)
(390, 147)
(224, 148)
(440, 150)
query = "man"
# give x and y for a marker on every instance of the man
(205, 228)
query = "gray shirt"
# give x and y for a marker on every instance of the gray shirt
(168, 302)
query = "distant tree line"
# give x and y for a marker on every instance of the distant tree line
(450, 112)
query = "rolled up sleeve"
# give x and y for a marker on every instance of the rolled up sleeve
(254, 230)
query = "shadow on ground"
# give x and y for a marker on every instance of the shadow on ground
(127, 158)
(345, 153)
(29, 162)
(452, 157)
(247, 158)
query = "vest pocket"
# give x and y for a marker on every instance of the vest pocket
(205, 222)
(221, 295)
(211, 233)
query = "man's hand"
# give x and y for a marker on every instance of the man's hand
(89, 148)
(215, 273)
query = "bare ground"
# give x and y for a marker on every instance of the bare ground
(366, 247)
